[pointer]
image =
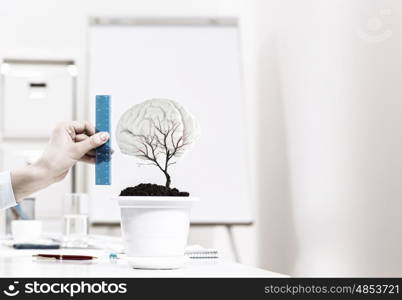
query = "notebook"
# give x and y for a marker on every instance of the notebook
(198, 252)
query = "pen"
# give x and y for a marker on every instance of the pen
(64, 257)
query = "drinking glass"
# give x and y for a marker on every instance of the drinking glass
(75, 221)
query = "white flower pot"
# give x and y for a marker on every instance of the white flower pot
(155, 230)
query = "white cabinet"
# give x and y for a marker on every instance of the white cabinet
(36, 96)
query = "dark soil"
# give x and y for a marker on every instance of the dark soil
(149, 189)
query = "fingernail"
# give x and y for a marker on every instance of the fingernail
(104, 136)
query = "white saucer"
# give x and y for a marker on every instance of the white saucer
(157, 263)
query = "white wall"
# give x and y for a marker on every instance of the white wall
(276, 237)
(339, 71)
(57, 29)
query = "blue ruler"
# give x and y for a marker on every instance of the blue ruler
(103, 153)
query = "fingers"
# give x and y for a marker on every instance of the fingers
(83, 127)
(88, 159)
(91, 143)
(92, 153)
(81, 137)
(75, 128)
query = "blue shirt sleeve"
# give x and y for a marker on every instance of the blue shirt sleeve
(7, 198)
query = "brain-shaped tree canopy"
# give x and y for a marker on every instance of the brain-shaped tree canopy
(158, 131)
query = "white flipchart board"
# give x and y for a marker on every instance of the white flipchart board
(198, 63)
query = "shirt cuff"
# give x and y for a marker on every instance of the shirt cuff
(7, 198)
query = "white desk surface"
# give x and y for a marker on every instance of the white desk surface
(19, 263)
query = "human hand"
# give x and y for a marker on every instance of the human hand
(70, 142)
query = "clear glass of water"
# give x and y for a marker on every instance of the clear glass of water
(75, 223)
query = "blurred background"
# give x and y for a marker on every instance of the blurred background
(311, 179)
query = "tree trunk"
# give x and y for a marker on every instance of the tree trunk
(167, 180)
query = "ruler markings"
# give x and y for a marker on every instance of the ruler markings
(103, 153)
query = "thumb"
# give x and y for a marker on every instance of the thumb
(94, 141)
